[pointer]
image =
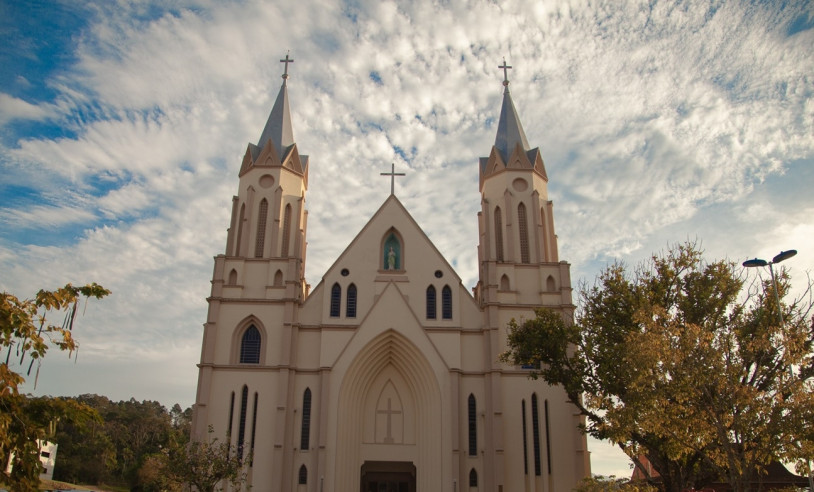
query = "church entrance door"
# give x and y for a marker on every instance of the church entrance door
(388, 476)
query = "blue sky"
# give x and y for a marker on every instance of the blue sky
(123, 125)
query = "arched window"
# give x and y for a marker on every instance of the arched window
(233, 277)
(431, 302)
(535, 431)
(250, 346)
(550, 285)
(240, 220)
(473, 425)
(260, 241)
(336, 300)
(302, 479)
(446, 302)
(278, 279)
(523, 227)
(525, 438)
(350, 304)
(392, 253)
(241, 430)
(286, 230)
(473, 478)
(498, 235)
(305, 434)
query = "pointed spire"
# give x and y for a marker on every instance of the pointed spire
(509, 130)
(278, 127)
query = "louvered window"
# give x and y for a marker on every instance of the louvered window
(286, 230)
(498, 235)
(260, 241)
(350, 304)
(305, 434)
(523, 227)
(446, 302)
(473, 426)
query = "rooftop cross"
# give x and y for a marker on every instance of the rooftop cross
(286, 61)
(505, 73)
(392, 175)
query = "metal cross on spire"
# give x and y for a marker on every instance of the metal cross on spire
(505, 73)
(392, 175)
(287, 60)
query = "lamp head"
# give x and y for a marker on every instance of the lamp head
(784, 255)
(757, 262)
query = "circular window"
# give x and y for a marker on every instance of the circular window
(439, 274)
(267, 181)
(345, 272)
(520, 184)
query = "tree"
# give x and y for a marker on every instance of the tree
(600, 483)
(26, 334)
(685, 363)
(199, 464)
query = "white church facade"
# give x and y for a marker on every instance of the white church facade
(385, 376)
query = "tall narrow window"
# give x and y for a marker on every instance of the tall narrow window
(523, 227)
(336, 300)
(535, 430)
(547, 438)
(286, 230)
(233, 277)
(240, 220)
(431, 302)
(231, 418)
(241, 431)
(473, 478)
(350, 304)
(473, 425)
(250, 346)
(302, 479)
(498, 235)
(254, 429)
(305, 434)
(260, 241)
(525, 438)
(446, 302)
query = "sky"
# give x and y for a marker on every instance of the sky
(123, 125)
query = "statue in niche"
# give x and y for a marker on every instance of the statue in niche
(391, 257)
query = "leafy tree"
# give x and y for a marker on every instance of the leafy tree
(683, 362)
(26, 336)
(601, 483)
(199, 465)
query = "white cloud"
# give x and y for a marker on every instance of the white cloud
(12, 108)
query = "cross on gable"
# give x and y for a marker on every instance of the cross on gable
(287, 60)
(392, 175)
(505, 72)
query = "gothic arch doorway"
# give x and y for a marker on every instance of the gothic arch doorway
(388, 476)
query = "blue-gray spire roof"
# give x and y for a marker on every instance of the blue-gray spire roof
(278, 127)
(509, 130)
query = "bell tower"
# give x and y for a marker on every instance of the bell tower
(519, 261)
(520, 270)
(267, 231)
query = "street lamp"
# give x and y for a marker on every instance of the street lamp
(757, 262)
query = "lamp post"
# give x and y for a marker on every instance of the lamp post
(757, 262)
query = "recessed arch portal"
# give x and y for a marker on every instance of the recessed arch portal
(389, 369)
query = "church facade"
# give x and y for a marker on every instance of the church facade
(385, 376)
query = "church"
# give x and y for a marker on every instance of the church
(385, 376)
